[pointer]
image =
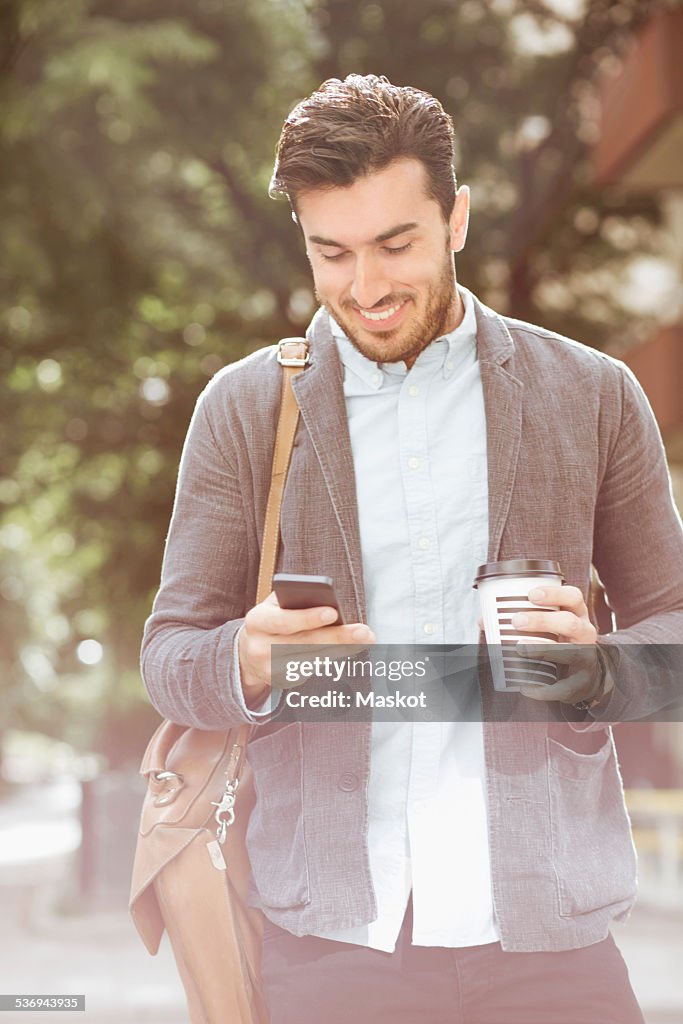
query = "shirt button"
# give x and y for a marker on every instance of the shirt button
(449, 365)
(413, 463)
(348, 782)
(429, 628)
(423, 544)
(377, 379)
(413, 390)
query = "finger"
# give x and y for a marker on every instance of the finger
(562, 597)
(579, 686)
(269, 617)
(340, 636)
(560, 654)
(540, 692)
(565, 624)
(262, 646)
(327, 654)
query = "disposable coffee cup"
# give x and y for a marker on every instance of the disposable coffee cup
(503, 590)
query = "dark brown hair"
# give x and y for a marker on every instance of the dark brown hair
(345, 130)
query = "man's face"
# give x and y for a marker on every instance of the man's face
(381, 255)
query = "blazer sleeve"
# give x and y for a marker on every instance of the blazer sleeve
(638, 553)
(188, 651)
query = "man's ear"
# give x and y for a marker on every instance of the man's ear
(459, 219)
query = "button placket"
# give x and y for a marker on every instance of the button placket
(421, 499)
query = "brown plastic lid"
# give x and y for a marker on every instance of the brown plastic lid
(518, 567)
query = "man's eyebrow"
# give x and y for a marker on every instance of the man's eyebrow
(384, 237)
(325, 241)
(398, 230)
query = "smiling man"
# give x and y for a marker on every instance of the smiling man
(426, 872)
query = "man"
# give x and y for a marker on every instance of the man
(433, 872)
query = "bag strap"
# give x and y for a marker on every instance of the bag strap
(293, 357)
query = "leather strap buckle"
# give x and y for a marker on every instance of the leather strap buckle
(293, 352)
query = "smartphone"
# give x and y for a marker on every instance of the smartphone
(295, 590)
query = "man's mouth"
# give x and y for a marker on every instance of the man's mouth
(377, 316)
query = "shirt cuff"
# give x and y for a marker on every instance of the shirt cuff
(272, 700)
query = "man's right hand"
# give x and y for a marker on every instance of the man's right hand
(267, 623)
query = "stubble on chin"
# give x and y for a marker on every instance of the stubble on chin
(442, 303)
(378, 348)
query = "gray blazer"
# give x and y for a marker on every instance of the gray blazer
(576, 473)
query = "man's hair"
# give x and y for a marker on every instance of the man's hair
(346, 130)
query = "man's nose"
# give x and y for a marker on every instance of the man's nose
(370, 283)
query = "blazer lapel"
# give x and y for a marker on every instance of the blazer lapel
(503, 394)
(320, 395)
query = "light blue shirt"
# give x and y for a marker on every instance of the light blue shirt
(418, 438)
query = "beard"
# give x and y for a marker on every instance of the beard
(394, 346)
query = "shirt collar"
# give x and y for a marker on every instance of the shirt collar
(448, 350)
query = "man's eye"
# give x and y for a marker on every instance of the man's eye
(331, 259)
(394, 250)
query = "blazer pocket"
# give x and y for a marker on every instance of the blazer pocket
(275, 836)
(592, 848)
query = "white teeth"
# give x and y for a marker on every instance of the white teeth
(384, 315)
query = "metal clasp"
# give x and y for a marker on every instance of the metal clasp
(225, 809)
(293, 352)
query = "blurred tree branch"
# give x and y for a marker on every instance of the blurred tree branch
(11, 41)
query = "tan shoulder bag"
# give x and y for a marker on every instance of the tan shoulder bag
(191, 870)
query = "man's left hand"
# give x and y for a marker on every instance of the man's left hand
(576, 646)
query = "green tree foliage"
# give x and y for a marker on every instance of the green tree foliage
(140, 253)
